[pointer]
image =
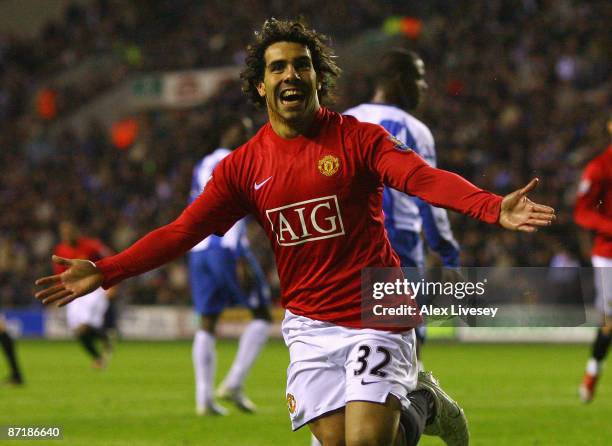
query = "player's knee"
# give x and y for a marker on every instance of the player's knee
(369, 434)
(208, 323)
(331, 439)
(81, 330)
(329, 436)
(329, 429)
(262, 313)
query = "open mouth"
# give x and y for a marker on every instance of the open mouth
(292, 96)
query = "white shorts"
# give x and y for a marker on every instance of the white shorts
(87, 310)
(331, 365)
(603, 284)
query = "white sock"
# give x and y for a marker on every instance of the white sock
(420, 366)
(252, 340)
(204, 363)
(592, 367)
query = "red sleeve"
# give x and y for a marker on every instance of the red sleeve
(216, 210)
(589, 199)
(401, 168)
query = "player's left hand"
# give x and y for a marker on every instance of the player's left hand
(519, 213)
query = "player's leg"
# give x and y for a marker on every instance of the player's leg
(208, 305)
(251, 342)
(95, 319)
(86, 336)
(329, 429)
(383, 365)
(85, 317)
(374, 416)
(204, 358)
(110, 327)
(374, 424)
(8, 347)
(252, 339)
(380, 374)
(599, 351)
(316, 389)
(601, 345)
(314, 441)
(366, 423)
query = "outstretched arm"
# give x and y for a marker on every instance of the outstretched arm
(151, 251)
(399, 167)
(214, 211)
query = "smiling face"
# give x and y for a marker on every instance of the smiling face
(289, 84)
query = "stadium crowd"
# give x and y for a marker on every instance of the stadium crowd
(517, 89)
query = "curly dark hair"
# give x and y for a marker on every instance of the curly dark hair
(273, 31)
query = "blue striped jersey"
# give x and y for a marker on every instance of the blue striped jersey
(235, 238)
(403, 212)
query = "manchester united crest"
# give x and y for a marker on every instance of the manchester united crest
(329, 165)
(291, 403)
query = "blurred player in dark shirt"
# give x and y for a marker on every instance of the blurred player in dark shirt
(8, 347)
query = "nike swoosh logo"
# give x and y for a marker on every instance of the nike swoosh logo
(258, 185)
(365, 383)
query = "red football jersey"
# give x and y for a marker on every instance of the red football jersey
(85, 248)
(319, 198)
(594, 203)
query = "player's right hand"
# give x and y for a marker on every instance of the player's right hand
(82, 277)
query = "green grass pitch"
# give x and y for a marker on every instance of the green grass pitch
(512, 394)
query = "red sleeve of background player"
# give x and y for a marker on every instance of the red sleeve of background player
(98, 249)
(215, 211)
(401, 168)
(589, 199)
(59, 251)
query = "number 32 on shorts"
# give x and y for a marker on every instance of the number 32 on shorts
(380, 359)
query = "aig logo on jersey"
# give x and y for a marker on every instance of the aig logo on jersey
(306, 221)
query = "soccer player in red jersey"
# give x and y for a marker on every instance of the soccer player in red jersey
(593, 211)
(86, 318)
(314, 179)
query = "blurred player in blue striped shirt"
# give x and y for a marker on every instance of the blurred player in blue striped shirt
(224, 272)
(400, 85)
